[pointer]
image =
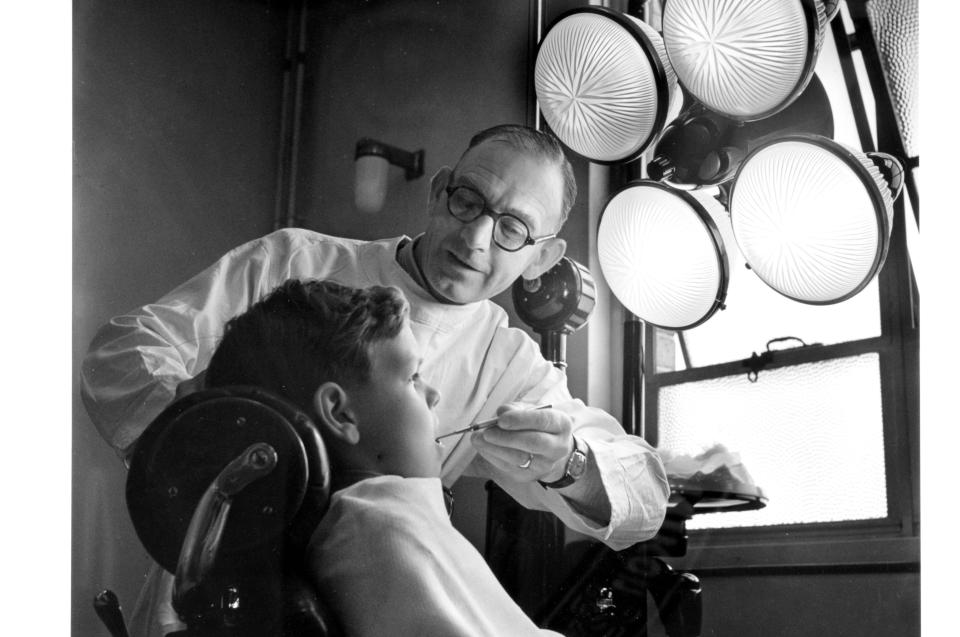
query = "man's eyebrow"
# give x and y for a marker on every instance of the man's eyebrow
(516, 212)
(523, 216)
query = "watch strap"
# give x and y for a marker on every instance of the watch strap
(574, 468)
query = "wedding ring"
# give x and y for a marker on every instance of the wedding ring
(526, 464)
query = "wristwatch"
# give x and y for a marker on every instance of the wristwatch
(576, 466)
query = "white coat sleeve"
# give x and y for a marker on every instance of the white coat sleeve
(630, 469)
(135, 361)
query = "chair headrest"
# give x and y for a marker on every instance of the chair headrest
(181, 452)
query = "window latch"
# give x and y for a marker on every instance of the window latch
(756, 362)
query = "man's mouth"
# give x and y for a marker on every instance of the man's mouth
(465, 263)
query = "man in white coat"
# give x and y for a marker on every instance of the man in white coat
(492, 218)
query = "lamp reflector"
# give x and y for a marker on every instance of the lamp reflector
(662, 255)
(745, 59)
(603, 83)
(812, 217)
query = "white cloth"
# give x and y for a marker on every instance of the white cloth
(471, 355)
(390, 563)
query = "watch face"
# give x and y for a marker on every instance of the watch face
(577, 464)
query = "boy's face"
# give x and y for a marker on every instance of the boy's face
(395, 410)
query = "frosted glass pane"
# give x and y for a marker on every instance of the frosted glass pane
(811, 437)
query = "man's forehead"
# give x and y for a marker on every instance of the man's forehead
(494, 155)
(496, 169)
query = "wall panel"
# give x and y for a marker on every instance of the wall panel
(176, 122)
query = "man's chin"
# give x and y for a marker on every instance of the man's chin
(454, 294)
(457, 289)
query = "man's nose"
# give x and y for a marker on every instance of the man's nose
(478, 234)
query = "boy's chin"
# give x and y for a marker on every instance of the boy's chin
(431, 472)
(423, 472)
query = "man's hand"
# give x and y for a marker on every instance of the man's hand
(527, 444)
(190, 385)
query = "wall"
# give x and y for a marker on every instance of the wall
(176, 122)
(414, 74)
(872, 604)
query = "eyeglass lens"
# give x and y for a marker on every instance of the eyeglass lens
(509, 232)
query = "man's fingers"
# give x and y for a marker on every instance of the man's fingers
(520, 465)
(509, 459)
(522, 439)
(507, 446)
(543, 434)
(547, 420)
(502, 409)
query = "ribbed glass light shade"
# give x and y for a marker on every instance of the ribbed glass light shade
(603, 83)
(812, 218)
(662, 255)
(746, 59)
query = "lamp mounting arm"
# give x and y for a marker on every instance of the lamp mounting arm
(411, 162)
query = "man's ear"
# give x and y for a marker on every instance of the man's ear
(331, 404)
(551, 251)
(439, 181)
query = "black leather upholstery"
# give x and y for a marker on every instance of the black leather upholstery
(253, 585)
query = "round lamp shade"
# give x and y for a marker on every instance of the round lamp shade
(745, 59)
(603, 83)
(662, 255)
(813, 217)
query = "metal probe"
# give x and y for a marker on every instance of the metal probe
(484, 424)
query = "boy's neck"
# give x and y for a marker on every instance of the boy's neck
(343, 478)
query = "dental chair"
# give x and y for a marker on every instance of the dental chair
(224, 490)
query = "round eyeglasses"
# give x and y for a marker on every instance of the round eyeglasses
(510, 233)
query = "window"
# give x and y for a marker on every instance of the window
(827, 429)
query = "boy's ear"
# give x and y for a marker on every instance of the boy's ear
(551, 251)
(330, 402)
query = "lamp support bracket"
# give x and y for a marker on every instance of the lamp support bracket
(411, 162)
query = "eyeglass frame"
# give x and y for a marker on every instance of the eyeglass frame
(493, 214)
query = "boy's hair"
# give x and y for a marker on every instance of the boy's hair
(537, 144)
(303, 334)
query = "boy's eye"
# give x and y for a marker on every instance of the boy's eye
(415, 377)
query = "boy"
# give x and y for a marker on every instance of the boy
(385, 556)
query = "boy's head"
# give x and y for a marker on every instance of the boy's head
(348, 357)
